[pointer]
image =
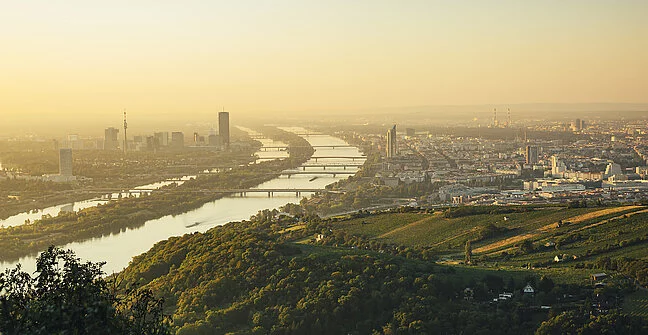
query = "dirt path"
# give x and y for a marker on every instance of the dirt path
(588, 216)
(507, 241)
(574, 219)
(610, 220)
(399, 229)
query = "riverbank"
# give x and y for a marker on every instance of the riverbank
(116, 217)
(108, 170)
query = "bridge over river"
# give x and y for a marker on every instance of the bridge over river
(316, 158)
(240, 191)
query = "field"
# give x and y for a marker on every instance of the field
(450, 234)
(574, 235)
(637, 303)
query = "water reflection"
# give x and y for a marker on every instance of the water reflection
(118, 249)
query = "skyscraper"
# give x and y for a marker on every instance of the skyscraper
(392, 147)
(558, 167)
(576, 125)
(162, 138)
(531, 154)
(223, 128)
(111, 140)
(177, 140)
(65, 162)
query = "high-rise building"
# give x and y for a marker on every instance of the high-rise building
(558, 167)
(612, 169)
(162, 138)
(223, 128)
(65, 162)
(152, 143)
(392, 148)
(576, 125)
(111, 140)
(531, 155)
(177, 140)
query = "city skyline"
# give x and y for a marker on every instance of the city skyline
(324, 167)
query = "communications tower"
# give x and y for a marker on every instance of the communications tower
(125, 127)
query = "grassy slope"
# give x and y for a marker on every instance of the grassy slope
(434, 230)
(595, 228)
(637, 303)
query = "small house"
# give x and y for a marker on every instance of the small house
(597, 277)
(505, 296)
(528, 289)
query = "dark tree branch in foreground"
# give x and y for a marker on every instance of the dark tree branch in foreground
(66, 296)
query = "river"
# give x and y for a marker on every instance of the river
(117, 250)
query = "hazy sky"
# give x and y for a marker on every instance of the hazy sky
(71, 57)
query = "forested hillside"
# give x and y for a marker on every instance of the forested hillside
(251, 277)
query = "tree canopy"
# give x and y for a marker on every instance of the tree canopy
(67, 296)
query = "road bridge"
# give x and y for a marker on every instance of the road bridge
(285, 147)
(330, 172)
(240, 191)
(259, 137)
(334, 165)
(316, 158)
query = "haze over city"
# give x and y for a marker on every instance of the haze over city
(324, 167)
(89, 61)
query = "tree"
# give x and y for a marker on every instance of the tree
(546, 284)
(468, 249)
(70, 297)
(526, 246)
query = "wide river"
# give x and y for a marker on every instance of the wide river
(117, 250)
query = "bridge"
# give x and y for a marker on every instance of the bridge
(334, 173)
(258, 137)
(334, 165)
(285, 147)
(270, 191)
(240, 191)
(353, 158)
(320, 157)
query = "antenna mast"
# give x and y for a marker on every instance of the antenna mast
(508, 121)
(125, 127)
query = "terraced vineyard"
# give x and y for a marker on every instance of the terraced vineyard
(572, 234)
(637, 304)
(450, 234)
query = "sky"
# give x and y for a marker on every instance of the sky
(92, 59)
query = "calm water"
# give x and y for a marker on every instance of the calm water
(117, 250)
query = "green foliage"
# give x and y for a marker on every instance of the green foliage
(134, 212)
(577, 322)
(70, 297)
(476, 210)
(636, 303)
(525, 246)
(243, 278)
